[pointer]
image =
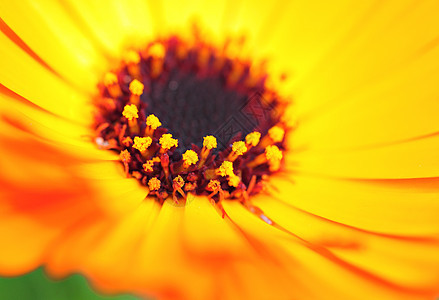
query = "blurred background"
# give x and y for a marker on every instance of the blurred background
(37, 286)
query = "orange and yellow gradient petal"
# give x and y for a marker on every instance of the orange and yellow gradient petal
(354, 210)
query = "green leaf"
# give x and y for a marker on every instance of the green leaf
(37, 286)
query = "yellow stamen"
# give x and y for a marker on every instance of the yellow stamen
(167, 142)
(274, 165)
(252, 139)
(276, 133)
(157, 50)
(273, 154)
(110, 79)
(131, 113)
(226, 169)
(132, 60)
(238, 149)
(125, 157)
(136, 89)
(142, 144)
(234, 180)
(112, 84)
(209, 143)
(152, 123)
(178, 181)
(131, 57)
(154, 184)
(157, 53)
(190, 157)
(127, 141)
(178, 184)
(214, 185)
(148, 165)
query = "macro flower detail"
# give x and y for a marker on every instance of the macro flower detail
(222, 150)
(159, 98)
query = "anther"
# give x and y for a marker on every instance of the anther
(273, 155)
(152, 123)
(142, 144)
(125, 157)
(132, 60)
(213, 185)
(209, 143)
(190, 157)
(112, 84)
(177, 185)
(238, 149)
(167, 142)
(136, 89)
(148, 166)
(252, 139)
(154, 184)
(131, 113)
(226, 169)
(234, 180)
(157, 54)
(275, 135)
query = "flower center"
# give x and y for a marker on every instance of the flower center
(188, 119)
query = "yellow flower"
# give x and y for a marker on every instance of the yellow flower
(344, 206)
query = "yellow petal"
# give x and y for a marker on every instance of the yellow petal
(401, 207)
(26, 77)
(47, 28)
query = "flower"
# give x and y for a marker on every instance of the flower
(353, 210)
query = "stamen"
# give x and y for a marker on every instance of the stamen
(178, 184)
(154, 184)
(132, 60)
(125, 157)
(148, 166)
(234, 180)
(152, 123)
(213, 185)
(112, 84)
(275, 135)
(142, 144)
(190, 157)
(194, 88)
(136, 89)
(226, 169)
(131, 113)
(209, 143)
(157, 54)
(164, 161)
(273, 155)
(167, 142)
(127, 141)
(252, 139)
(238, 149)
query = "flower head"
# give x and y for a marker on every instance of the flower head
(257, 194)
